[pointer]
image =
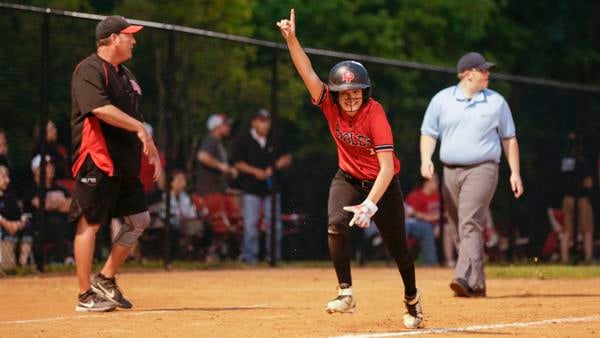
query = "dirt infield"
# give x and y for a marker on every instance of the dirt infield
(289, 302)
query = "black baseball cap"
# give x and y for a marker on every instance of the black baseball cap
(262, 114)
(472, 60)
(115, 24)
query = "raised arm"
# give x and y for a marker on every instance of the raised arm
(299, 57)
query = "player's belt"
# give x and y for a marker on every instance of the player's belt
(365, 184)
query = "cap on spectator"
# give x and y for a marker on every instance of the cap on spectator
(472, 60)
(35, 162)
(262, 114)
(216, 120)
(115, 24)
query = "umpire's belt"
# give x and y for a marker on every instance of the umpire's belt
(365, 184)
(464, 166)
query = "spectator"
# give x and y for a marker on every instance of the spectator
(183, 217)
(56, 151)
(13, 226)
(258, 158)
(577, 187)
(56, 206)
(211, 185)
(423, 216)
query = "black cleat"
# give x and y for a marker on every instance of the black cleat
(413, 318)
(109, 289)
(90, 301)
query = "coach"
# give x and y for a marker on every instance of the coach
(108, 139)
(470, 121)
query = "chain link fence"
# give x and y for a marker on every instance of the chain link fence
(188, 74)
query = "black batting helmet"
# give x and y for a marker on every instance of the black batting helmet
(349, 75)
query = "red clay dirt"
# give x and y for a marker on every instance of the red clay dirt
(290, 302)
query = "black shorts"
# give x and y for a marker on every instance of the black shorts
(346, 190)
(99, 197)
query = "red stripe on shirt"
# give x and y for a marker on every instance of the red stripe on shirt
(93, 144)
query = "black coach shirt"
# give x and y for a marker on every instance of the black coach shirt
(96, 83)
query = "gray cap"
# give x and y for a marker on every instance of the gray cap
(472, 60)
(216, 120)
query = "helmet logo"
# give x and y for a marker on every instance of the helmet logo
(348, 76)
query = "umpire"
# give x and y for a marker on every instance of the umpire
(108, 138)
(471, 122)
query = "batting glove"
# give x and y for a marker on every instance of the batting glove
(362, 213)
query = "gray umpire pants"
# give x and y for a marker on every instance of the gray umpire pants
(468, 191)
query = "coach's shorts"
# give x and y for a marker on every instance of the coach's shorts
(99, 197)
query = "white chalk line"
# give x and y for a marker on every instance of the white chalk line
(128, 313)
(367, 335)
(474, 327)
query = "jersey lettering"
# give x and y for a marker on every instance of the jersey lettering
(354, 139)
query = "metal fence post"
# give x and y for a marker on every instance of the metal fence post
(274, 135)
(169, 111)
(44, 80)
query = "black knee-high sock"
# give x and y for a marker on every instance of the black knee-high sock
(339, 250)
(394, 239)
(408, 277)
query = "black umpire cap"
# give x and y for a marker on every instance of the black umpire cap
(472, 60)
(115, 24)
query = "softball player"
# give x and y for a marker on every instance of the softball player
(368, 171)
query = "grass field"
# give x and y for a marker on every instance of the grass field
(519, 270)
(288, 301)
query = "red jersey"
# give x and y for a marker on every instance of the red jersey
(147, 171)
(424, 203)
(360, 137)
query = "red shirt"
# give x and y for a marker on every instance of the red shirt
(359, 138)
(424, 203)
(147, 171)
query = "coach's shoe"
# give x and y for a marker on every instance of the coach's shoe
(344, 302)
(460, 287)
(90, 301)
(413, 318)
(108, 288)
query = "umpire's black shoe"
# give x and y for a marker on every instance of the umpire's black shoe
(108, 288)
(477, 292)
(460, 287)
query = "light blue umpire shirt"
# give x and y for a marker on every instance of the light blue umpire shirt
(469, 130)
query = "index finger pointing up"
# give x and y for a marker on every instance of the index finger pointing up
(292, 15)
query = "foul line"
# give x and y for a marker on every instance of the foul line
(123, 313)
(473, 327)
